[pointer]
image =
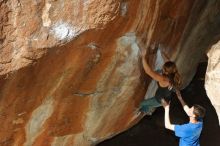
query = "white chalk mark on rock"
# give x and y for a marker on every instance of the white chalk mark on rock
(64, 31)
(124, 8)
(92, 45)
(39, 116)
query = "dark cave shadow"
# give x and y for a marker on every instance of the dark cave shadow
(150, 131)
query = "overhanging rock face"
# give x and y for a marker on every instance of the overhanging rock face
(71, 71)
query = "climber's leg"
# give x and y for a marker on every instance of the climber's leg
(148, 104)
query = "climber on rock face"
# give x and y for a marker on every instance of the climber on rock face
(188, 133)
(167, 81)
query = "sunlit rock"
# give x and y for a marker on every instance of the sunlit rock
(212, 79)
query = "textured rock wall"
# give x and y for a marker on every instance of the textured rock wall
(212, 79)
(201, 33)
(70, 70)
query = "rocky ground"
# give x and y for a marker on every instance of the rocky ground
(150, 130)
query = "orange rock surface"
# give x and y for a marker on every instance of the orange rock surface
(71, 71)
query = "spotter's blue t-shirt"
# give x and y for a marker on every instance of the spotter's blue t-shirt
(189, 133)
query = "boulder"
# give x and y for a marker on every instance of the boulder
(70, 71)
